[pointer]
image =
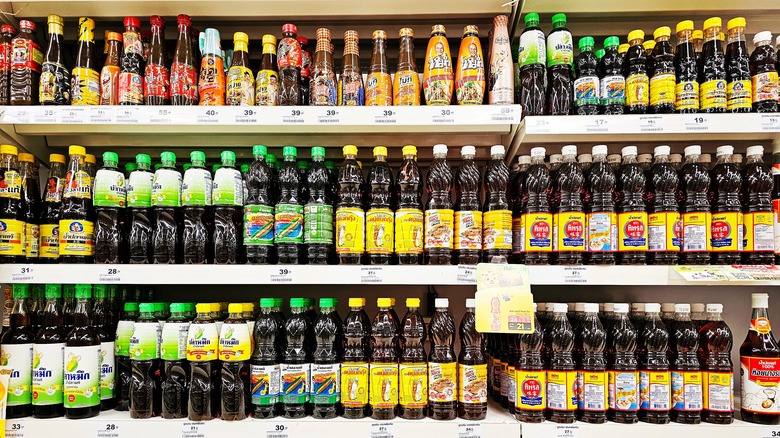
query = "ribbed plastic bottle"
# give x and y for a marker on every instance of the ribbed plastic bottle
(235, 348)
(228, 198)
(686, 371)
(472, 368)
(591, 341)
(173, 352)
(439, 213)
(198, 227)
(379, 216)
(497, 216)
(468, 214)
(632, 212)
(166, 201)
(538, 233)
(259, 210)
(756, 199)
(715, 342)
(355, 366)
(694, 209)
(654, 377)
(413, 368)
(663, 223)
(561, 369)
(350, 216)
(726, 228)
(622, 368)
(288, 220)
(601, 227)
(409, 219)
(569, 218)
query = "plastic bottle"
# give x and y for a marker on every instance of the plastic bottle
(662, 74)
(622, 368)
(303, 170)
(355, 367)
(350, 217)
(756, 203)
(318, 212)
(196, 198)
(438, 78)
(695, 209)
(758, 356)
(686, 372)
(764, 74)
(139, 202)
(211, 82)
(124, 371)
(590, 342)
(468, 215)
(497, 216)
(612, 81)
(472, 368)
(235, 348)
(726, 226)
(586, 86)
(715, 342)
(173, 352)
(532, 59)
(31, 206)
(326, 369)
(470, 69)
(560, 58)
(288, 231)
(663, 224)
(654, 377)
(81, 381)
(569, 219)
(228, 199)
(530, 401)
(409, 229)
(103, 326)
(296, 367)
(48, 360)
(379, 217)
(713, 75)
(383, 371)
(265, 372)
(686, 70)
(635, 71)
(601, 228)
(737, 64)
(561, 374)
(202, 354)
(632, 213)
(439, 213)
(537, 220)
(147, 373)
(109, 201)
(12, 208)
(166, 200)
(406, 82)
(442, 364)
(17, 351)
(76, 215)
(259, 210)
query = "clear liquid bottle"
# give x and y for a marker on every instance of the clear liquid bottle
(350, 217)
(196, 200)
(409, 220)
(590, 343)
(560, 75)
(81, 381)
(355, 368)
(124, 372)
(296, 367)
(726, 227)
(17, 351)
(265, 371)
(228, 198)
(532, 58)
(569, 218)
(383, 371)
(166, 201)
(47, 400)
(202, 354)
(715, 342)
(379, 216)
(76, 215)
(497, 216)
(695, 209)
(109, 201)
(664, 226)
(468, 214)
(654, 377)
(318, 212)
(173, 352)
(531, 401)
(439, 213)
(632, 212)
(288, 220)
(756, 196)
(472, 368)
(325, 368)
(561, 375)
(235, 348)
(601, 236)
(259, 210)
(686, 371)
(622, 368)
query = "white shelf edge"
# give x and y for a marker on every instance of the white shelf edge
(641, 430)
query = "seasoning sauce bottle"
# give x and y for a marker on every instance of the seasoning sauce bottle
(240, 89)
(351, 92)
(413, 369)
(323, 80)
(267, 82)
(406, 83)
(184, 75)
(131, 80)
(26, 58)
(501, 83)
(383, 370)
(379, 84)
(7, 33)
(759, 355)
(438, 80)
(737, 64)
(635, 71)
(764, 74)
(712, 73)
(109, 75)
(289, 61)
(55, 78)
(442, 364)
(85, 82)
(687, 88)
(77, 217)
(157, 86)
(470, 71)
(211, 83)
(12, 244)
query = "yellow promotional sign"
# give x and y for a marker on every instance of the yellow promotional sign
(504, 300)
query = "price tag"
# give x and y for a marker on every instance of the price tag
(575, 275)
(770, 122)
(386, 116)
(371, 275)
(467, 274)
(110, 274)
(651, 124)
(193, 429)
(14, 430)
(281, 274)
(385, 429)
(108, 430)
(567, 431)
(469, 430)
(443, 115)
(128, 114)
(245, 116)
(277, 430)
(597, 124)
(19, 115)
(293, 116)
(503, 114)
(328, 116)
(45, 115)
(73, 115)
(100, 114)
(765, 432)
(160, 115)
(697, 123)
(208, 116)
(23, 273)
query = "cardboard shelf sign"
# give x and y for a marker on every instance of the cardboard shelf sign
(504, 300)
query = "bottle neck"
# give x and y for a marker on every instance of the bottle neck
(692, 158)
(662, 158)
(714, 316)
(684, 37)
(759, 312)
(142, 166)
(724, 158)
(380, 158)
(735, 34)
(569, 158)
(629, 159)
(379, 56)
(754, 159)
(682, 316)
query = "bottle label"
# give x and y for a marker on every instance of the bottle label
(383, 393)
(173, 342)
(406, 88)
(351, 91)
(77, 186)
(613, 90)
(31, 240)
(726, 232)
(496, 374)
(47, 373)
(55, 84)
(511, 391)
(234, 342)
(211, 83)
(11, 185)
(49, 242)
(470, 77)
(662, 88)
(764, 86)
(318, 223)
(561, 392)
(664, 231)
(145, 341)
(85, 87)
(531, 390)
(760, 382)
(288, 223)
(696, 231)
(354, 381)
(166, 188)
(379, 231)
(289, 53)
(712, 94)
(325, 383)
(124, 331)
(623, 390)
(323, 87)
(267, 88)
(602, 232)
(184, 81)
(413, 385)
(408, 231)
(718, 391)
(533, 48)
(776, 221)
(439, 228)
(109, 85)
(156, 81)
(586, 91)
(518, 234)
(26, 53)
(686, 390)
(240, 86)
(19, 357)
(442, 381)
(503, 379)
(265, 384)
(227, 187)
(468, 230)
(53, 189)
(139, 189)
(350, 230)
(655, 390)
(759, 231)
(560, 49)
(633, 231)
(12, 234)
(132, 43)
(130, 88)
(497, 229)
(569, 231)
(739, 95)
(637, 90)
(202, 341)
(760, 325)
(5, 57)
(538, 232)
(295, 382)
(196, 187)
(107, 374)
(76, 237)
(438, 77)
(258, 225)
(379, 89)
(109, 189)
(472, 384)
(687, 96)
(81, 383)
(593, 386)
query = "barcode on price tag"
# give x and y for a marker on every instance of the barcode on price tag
(469, 430)
(281, 275)
(567, 431)
(277, 430)
(108, 430)
(194, 429)
(382, 430)
(371, 275)
(14, 430)
(575, 274)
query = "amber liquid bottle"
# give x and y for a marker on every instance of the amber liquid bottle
(442, 364)
(7, 33)
(240, 87)
(351, 90)
(109, 75)
(468, 212)
(383, 377)
(439, 213)
(622, 368)
(715, 342)
(131, 79)
(184, 74)
(55, 77)
(406, 83)
(759, 354)
(25, 62)
(290, 61)
(85, 82)
(322, 87)
(267, 81)
(379, 84)
(530, 401)
(379, 216)
(472, 368)
(157, 86)
(409, 215)
(559, 342)
(413, 369)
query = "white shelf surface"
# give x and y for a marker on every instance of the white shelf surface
(381, 275)
(643, 430)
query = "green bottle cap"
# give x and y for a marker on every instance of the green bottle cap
(303, 165)
(143, 159)
(259, 149)
(110, 159)
(228, 158)
(531, 19)
(131, 307)
(215, 167)
(158, 307)
(278, 302)
(318, 151)
(330, 165)
(296, 302)
(270, 158)
(289, 151)
(53, 291)
(586, 42)
(611, 41)
(38, 290)
(178, 308)
(244, 168)
(101, 291)
(83, 291)
(198, 158)
(129, 167)
(266, 302)
(146, 307)
(186, 166)
(599, 54)
(559, 20)
(157, 167)
(168, 159)
(21, 291)
(327, 302)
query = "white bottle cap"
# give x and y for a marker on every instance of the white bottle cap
(628, 150)
(637, 307)
(556, 158)
(535, 307)
(471, 303)
(682, 308)
(693, 150)
(609, 307)
(667, 307)
(662, 150)
(763, 36)
(585, 158)
(726, 149)
(524, 159)
(440, 149)
(497, 150)
(538, 152)
(599, 149)
(560, 308)
(760, 301)
(652, 307)
(468, 150)
(442, 302)
(714, 308)
(697, 307)
(569, 149)
(591, 307)
(755, 150)
(621, 308)
(579, 307)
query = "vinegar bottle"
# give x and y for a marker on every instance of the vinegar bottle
(757, 207)
(472, 368)
(686, 372)
(715, 342)
(695, 209)
(622, 368)
(759, 355)
(497, 216)
(663, 223)
(591, 340)
(561, 374)
(442, 364)
(654, 376)
(632, 213)
(569, 220)
(468, 214)
(726, 227)
(439, 214)
(413, 383)
(530, 400)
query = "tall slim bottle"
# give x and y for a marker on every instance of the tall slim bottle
(350, 217)
(715, 342)
(17, 352)
(497, 216)
(409, 216)
(713, 75)
(413, 370)
(442, 364)
(695, 209)
(532, 59)
(351, 91)
(406, 82)
(109, 74)
(77, 218)
(196, 200)
(166, 201)
(501, 83)
(130, 90)
(288, 221)
(757, 208)
(157, 86)
(739, 86)
(632, 212)
(267, 81)
(383, 371)
(472, 368)
(202, 346)
(184, 72)
(379, 217)
(537, 219)
(211, 82)
(590, 343)
(468, 212)
(323, 86)
(560, 58)
(663, 223)
(259, 210)
(726, 226)
(25, 65)
(82, 362)
(49, 350)
(686, 371)
(355, 370)
(55, 78)
(622, 368)
(654, 376)
(240, 86)
(289, 61)
(379, 83)
(139, 203)
(531, 378)
(318, 212)
(228, 199)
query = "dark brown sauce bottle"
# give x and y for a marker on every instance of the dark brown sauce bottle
(764, 74)
(7, 33)
(759, 355)
(184, 74)
(109, 75)
(289, 60)
(384, 363)
(55, 78)
(82, 340)
(85, 85)
(472, 368)
(413, 370)
(239, 83)
(26, 59)
(17, 344)
(157, 87)
(51, 332)
(267, 81)
(442, 364)
(131, 80)
(11, 207)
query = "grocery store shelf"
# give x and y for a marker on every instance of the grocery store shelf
(383, 275)
(643, 430)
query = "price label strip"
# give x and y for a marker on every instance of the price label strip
(467, 274)
(651, 124)
(74, 115)
(575, 275)
(128, 114)
(44, 115)
(469, 430)
(161, 116)
(696, 124)
(503, 114)
(328, 116)
(208, 116)
(108, 430)
(22, 274)
(14, 430)
(294, 116)
(371, 275)
(596, 125)
(770, 122)
(278, 430)
(382, 430)
(281, 275)
(193, 429)
(98, 114)
(567, 431)
(386, 116)
(444, 115)
(246, 116)
(110, 275)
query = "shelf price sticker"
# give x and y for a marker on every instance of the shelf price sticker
(245, 116)
(328, 116)
(443, 116)
(44, 115)
(504, 300)
(19, 115)
(101, 114)
(160, 116)
(386, 115)
(537, 125)
(22, 273)
(193, 429)
(371, 275)
(277, 430)
(503, 114)
(596, 125)
(385, 429)
(770, 122)
(208, 116)
(575, 275)
(702, 273)
(14, 430)
(294, 116)
(466, 274)
(567, 431)
(651, 124)
(128, 115)
(469, 430)
(110, 274)
(696, 123)
(754, 272)
(108, 430)
(74, 115)
(281, 274)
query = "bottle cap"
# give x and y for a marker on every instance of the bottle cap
(89, 158)
(611, 41)
(228, 158)
(697, 35)
(316, 151)
(636, 35)
(270, 158)
(535, 152)
(143, 159)
(724, 150)
(762, 36)
(524, 159)
(132, 22)
(379, 151)
(497, 150)
(235, 308)
(693, 150)
(442, 302)
(302, 40)
(665, 31)
(559, 20)
(259, 149)
(638, 307)
(412, 302)
(168, 157)
(265, 303)
(648, 45)
(682, 308)
(203, 308)
(697, 307)
(53, 290)
(675, 158)
(146, 307)
(357, 302)
(379, 34)
(599, 149)
(736, 158)
(21, 291)
(585, 158)
(685, 25)
(591, 308)
(269, 39)
(440, 149)
(289, 28)
(716, 22)
(383, 302)
(240, 37)
(714, 308)
(531, 19)
(108, 157)
(178, 308)
(327, 302)
(731, 24)
(100, 291)
(621, 308)
(652, 307)
(27, 158)
(579, 307)
(586, 42)
(599, 54)
(760, 300)
(297, 302)
(83, 291)
(667, 307)
(289, 151)
(56, 158)
(131, 307)
(198, 156)
(662, 150)
(405, 31)
(72, 150)
(560, 308)
(623, 48)
(349, 149)
(569, 149)
(438, 28)
(628, 150)
(472, 303)
(755, 150)
(409, 150)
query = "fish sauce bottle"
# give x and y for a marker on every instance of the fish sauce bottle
(531, 378)
(323, 89)
(757, 208)
(157, 86)
(76, 215)
(537, 219)
(265, 372)
(662, 75)
(296, 367)
(227, 195)
(288, 220)
(81, 381)
(406, 81)
(467, 243)
(259, 210)
(49, 250)
(695, 209)
(350, 217)
(380, 223)
(601, 228)
(202, 354)
(686, 70)
(16, 347)
(379, 83)
(355, 365)
(714, 76)
(124, 373)
(173, 352)
(635, 71)
(622, 368)
(590, 343)
(612, 81)
(586, 86)
(147, 372)
(739, 87)
(409, 230)
(654, 377)
(130, 89)
(686, 371)
(560, 74)
(532, 59)
(439, 213)
(240, 86)
(442, 364)
(472, 368)
(235, 348)
(48, 359)
(438, 78)
(764, 74)
(54, 86)
(166, 201)
(383, 370)
(318, 212)
(110, 201)
(497, 213)
(726, 227)
(569, 217)
(31, 205)
(470, 70)
(196, 201)
(25, 65)
(350, 86)
(326, 367)
(141, 219)
(561, 375)
(715, 342)
(758, 356)
(184, 72)
(663, 222)
(12, 208)
(632, 212)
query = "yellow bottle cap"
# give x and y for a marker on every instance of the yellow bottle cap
(89, 158)
(240, 37)
(392, 301)
(357, 302)
(235, 308)
(248, 307)
(349, 149)
(203, 307)
(623, 48)
(383, 302)
(380, 150)
(54, 19)
(713, 22)
(269, 39)
(405, 31)
(216, 307)
(76, 150)
(684, 25)
(665, 31)
(649, 44)
(8, 149)
(636, 35)
(409, 150)
(736, 22)
(697, 35)
(28, 158)
(57, 158)
(379, 34)
(412, 302)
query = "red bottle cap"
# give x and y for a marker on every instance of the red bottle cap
(291, 28)
(132, 22)
(27, 24)
(156, 20)
(303, 40)
(7, 28)
(184, 19)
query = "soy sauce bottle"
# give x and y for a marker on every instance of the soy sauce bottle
(756, 196)
(764, 74)
(622, 368)
(55, 78)
(442, 364)
(662, 73)
(713, 74)
(77, 216)
(25, 65)
(7, 33)
(379, 216)
(586, 87)
(694, 209)
(82, 362)
(686, 70)
(612, 81)
(560, 74)
(686, 371)
(739, 88)
(635, 71)
(726, 227)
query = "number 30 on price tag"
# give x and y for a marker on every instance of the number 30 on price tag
(277, 430)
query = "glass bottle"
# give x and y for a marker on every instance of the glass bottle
(85, 82)
(184, 73)
(130, 90)
(25, 65)
(438, 79)
(350, 91)
(686, 70)
(323, 80)
(157, 85)
(7, 33)
(55, 78)
(240, 86)
(289, 61)
(406, 82)
(267, 82)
